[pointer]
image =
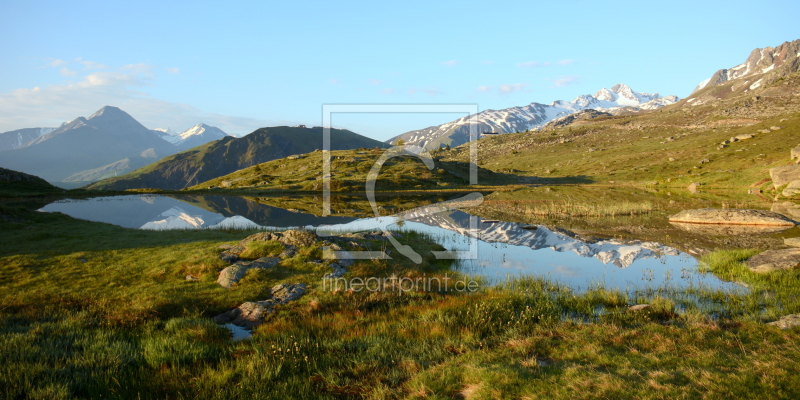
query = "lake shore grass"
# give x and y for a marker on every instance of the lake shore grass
(93, 310)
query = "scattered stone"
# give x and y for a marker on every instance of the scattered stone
(192, 278)
(744, 136)
(764, 131)
(753, 191)
(788, 209)
(783, 175)
(638, 307)
(252, 313)
(694, 187)
(772, 260)
(787, 321)
(705, 160)
(671, 159)
(792, 189)
(795, 153)
(794, 242)
(732, 216)
(231, 275)
(775, 128)
(229, 257)
(728, 230)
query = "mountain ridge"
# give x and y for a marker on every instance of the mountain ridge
(533, 116)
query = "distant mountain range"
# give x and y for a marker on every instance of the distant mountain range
(20, 138)
(230, 154)
(84, 150)
(619, 98)
(197, 135)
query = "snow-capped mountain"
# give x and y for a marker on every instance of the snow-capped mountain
(20, 138)
(197, 135)
(763, 66)
(615, 252)
(533, 116)
(167, 134)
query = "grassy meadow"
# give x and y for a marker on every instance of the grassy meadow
(90, 310)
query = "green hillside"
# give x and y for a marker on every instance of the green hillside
(349, 170)
(673, 146)
(230, 154)
(13, 183)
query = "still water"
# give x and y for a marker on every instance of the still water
(494, 250)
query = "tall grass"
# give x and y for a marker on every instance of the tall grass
(575, 208)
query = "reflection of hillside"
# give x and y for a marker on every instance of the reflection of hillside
(618, 253)
(261, 214)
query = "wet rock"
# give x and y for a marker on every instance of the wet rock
(773, 260)
(783, 175)
(787, 321)
(731, 216)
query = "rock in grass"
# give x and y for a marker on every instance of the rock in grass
(252, 313)
(231, 275)
(728, 230)
(795, 153)
(731, 216)
(787, 321)
(792, 189)
(774, 260)
(783, 175)
(794, 242)
(638, 307)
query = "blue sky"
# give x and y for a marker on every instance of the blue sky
(243, 65)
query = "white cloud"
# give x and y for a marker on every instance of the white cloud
(87, 65)
(565, 62)
(56, 63)
(64, 71)
(375, 81)
(49, 106)
(387, 91)
(534, 64)
(514, 87)
(173, 70)
(450, 63)
(503, 89)
(564, 80)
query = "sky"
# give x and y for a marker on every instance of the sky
(244, 65)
